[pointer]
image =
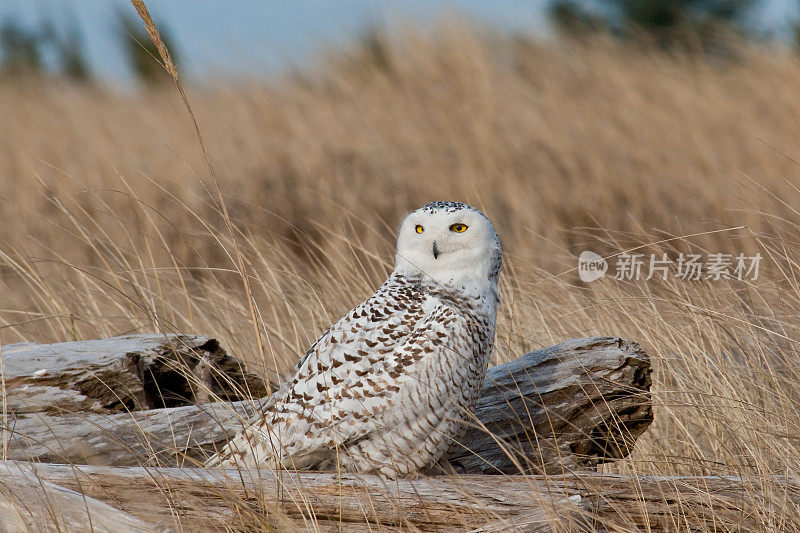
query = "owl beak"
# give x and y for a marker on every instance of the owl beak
(435, 251)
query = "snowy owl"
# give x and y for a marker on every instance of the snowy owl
(388, 387)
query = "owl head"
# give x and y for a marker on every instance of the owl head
(450, 242)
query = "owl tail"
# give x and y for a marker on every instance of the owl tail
(247, 450)
(254, 448)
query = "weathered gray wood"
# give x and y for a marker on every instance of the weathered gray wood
(196, 499)
(172, 436)
(30, 503)
(121, 374)
(569, 406)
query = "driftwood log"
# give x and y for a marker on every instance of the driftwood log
(139, 400)
(135, 399)
(122, 374)
(193, 499)
(569, 406)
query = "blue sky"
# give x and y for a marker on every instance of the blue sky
(259, 37)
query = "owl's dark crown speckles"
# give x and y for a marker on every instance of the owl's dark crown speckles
(447, 207)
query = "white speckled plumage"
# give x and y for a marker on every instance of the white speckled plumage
(387, 387)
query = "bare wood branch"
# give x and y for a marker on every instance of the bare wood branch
(172, 436)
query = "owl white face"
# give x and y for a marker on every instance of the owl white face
(451, 243)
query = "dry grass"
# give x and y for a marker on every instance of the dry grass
(112, 222)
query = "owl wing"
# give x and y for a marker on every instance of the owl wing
(347, 381)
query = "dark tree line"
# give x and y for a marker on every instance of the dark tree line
(23, 49)
(691, 24)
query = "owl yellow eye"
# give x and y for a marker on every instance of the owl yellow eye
(459, 228)
(419, 229)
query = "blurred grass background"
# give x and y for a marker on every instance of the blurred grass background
(111, 223)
